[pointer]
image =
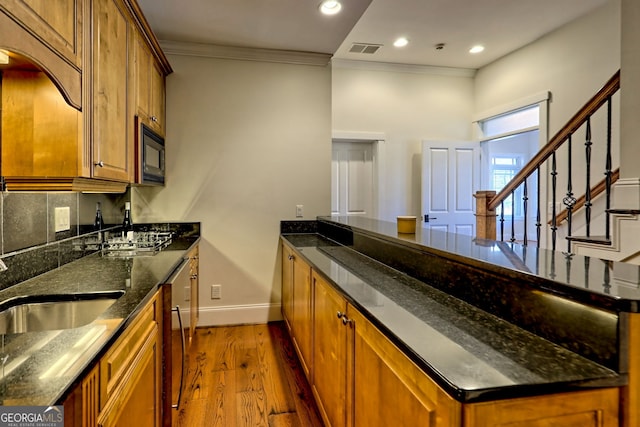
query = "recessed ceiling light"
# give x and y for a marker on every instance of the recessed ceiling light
(401, 42)
(330, 7)
(4, 58)
(476, 49)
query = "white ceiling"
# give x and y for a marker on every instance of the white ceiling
(501, 25)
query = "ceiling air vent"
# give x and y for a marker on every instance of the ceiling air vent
(364, 48)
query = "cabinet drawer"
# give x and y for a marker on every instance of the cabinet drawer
(121, 355)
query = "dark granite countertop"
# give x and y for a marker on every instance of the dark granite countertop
(604, 284)
(41, 367)
(473, 355)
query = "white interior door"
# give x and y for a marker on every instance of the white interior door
(352, 176)
(450, 177)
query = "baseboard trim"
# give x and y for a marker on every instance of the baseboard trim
(240, 314)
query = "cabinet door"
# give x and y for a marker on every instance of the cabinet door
(150, 92)
(330, 353)
(58, 24)
(389, 389)
(157, 101)
(287, 285)
(138, 400)
(592, 408)
(112, 148)
(301, 323)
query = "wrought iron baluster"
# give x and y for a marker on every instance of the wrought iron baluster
(525, 199)
(569, 200)
(554, 180)
(608, 173)
(513, 216)
(502, 221)
(587, 194)
(538, 216)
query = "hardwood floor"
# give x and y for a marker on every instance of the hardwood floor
(243, 376)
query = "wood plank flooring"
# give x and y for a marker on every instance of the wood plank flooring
(243, 376)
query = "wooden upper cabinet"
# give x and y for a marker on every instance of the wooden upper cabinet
(150, 92)
(111, 80)
(68, 116)
(57, 24)
(48, 34)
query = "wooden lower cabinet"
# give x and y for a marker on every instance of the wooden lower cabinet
(137, 401)
(389, 389)
(296, 305)
(361, 379)
(330, 352)
(125, 387)
(591, 408)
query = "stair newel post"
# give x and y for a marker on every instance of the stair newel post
(554, 185)
(587, 194)
(485, 217)
(608, 173)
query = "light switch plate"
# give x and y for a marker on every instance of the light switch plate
(62, 219)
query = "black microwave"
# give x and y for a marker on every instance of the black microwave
(150, 156)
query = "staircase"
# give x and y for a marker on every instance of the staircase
(581, 222)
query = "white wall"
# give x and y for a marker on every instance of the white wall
(407, 107)
(246, 142)
(572, 63)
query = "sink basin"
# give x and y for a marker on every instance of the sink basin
(51, 312)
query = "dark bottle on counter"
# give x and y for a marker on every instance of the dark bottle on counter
(98, 222)
(127, 225)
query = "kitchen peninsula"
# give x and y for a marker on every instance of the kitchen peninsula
(476, 332)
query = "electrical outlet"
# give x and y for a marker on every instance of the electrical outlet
(216, 291)
(299, 211)
(187, 293)
(62, 219)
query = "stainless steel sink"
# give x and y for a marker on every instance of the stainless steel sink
(51, 312)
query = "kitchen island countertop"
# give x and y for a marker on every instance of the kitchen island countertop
(470, 353)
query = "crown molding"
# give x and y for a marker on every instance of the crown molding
(403, 68)
(244, 53)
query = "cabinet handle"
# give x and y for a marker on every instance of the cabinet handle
(184, 355)
(340, 315)
(346, 320)
(99, 164)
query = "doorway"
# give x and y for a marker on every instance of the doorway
(353, 178)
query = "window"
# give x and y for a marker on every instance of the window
(503, 169)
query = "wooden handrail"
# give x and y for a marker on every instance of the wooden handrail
(595, 191)
(558, 139)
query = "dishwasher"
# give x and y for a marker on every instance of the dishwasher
(180, 282)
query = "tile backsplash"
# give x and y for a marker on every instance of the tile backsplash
(27, 219)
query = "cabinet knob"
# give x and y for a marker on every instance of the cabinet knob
(340, 315)
(346, 320)
(154, 119)
(99, 164)
(194, 276)
(290, 257)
